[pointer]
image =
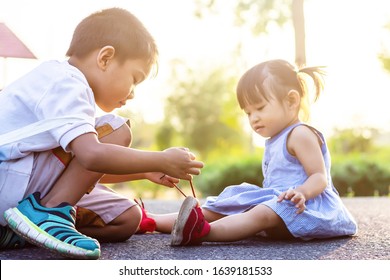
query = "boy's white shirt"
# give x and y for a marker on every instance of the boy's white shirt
(36, 128)
(54, 91)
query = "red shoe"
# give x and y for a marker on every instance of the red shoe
(190, 225)
(147, 224)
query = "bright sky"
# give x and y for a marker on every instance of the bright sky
(343, 35)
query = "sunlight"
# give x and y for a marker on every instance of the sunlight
(338, 35)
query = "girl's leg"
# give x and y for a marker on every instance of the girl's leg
(211, 216)
(164, 222)
(244, 225)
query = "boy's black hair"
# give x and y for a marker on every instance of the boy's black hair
(114, 27)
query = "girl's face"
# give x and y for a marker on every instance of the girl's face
(117, 85)
(268, 118)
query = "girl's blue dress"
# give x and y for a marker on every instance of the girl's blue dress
(325, 216)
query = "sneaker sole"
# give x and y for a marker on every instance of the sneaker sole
(31, 232)
(178, 227)
(10, 240)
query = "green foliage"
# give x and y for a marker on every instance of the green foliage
(202, 113)
(229, 171)
(349, 140)
(352, 176)
(165, 135)
(263, 14)
(362, 174)
(384, 54)
(385, 59)
(259, 15)
(359, 167)
(143, 133)
(361, 178)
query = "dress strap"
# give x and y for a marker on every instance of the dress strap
(315, 131)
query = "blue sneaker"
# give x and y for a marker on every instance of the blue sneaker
(51, 228)
(10, 240)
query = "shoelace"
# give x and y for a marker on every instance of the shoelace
(178, 188)
(141, 203)
(151, 227)
(192, 189)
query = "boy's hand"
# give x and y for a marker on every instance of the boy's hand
(161, 179)
(295, 197)
(181, 163)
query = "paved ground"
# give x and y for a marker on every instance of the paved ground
(372, 242)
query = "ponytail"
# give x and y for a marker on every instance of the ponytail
(277, 78)
(317, 74)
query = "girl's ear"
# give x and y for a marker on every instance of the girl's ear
(105, 56)
(293, 99)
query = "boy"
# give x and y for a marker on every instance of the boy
(64, 149)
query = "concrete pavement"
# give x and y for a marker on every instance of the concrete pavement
(371, 243)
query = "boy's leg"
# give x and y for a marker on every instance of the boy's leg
(10, 240)
(75, 180)
(31, 218)
(104, 214)
(107, 215)
(51, 228)
(120, 229)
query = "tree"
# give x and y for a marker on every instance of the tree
(202, 113)
(384, 55)
(385, 59)
(265, 13)
(142, 132)
(299, 29)
(349, 140)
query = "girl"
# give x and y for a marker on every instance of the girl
(298, 198)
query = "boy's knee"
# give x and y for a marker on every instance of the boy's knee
(121, 136)
(124, 135)
(127, 223)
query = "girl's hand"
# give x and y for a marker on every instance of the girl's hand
(161, 179)
(295, 197)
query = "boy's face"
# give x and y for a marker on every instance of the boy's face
(116, 84)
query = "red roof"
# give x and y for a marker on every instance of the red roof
(11, 45)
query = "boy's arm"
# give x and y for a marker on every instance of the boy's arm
(155, 177)
(305, 146)
(114, 159)
(112, 179)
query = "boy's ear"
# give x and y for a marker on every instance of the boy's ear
(105, 55)
(293, 98)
